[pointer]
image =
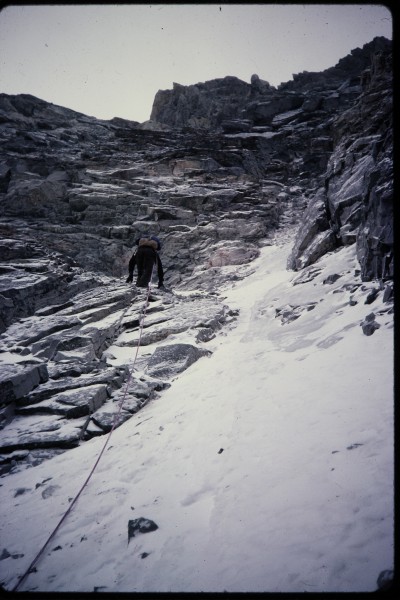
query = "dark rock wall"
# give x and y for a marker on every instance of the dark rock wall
(355, 202)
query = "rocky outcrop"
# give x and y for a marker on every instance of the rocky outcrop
(204, 105)
(234, 105)
(355, 203)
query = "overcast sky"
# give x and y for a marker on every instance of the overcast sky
(110, 60)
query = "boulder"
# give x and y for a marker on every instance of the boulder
(369, 325)
(140, 525)
(171, 359)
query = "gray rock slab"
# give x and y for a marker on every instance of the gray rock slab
(110, 415)
(70, 403)
(110, 377)
(17, 380)
(33, 432)
(33, 329)
(171, 359)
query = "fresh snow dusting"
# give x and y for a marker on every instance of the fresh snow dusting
(267, 467)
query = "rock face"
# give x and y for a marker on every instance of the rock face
(87, 188)
(218, 168)
(355, 202)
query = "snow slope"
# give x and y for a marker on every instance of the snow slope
(268, 467)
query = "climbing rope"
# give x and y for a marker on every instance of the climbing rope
(114, 424)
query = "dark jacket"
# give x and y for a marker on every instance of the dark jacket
(145, 259)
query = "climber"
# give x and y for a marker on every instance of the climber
(145, 257)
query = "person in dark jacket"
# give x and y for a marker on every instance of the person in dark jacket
(145, 259)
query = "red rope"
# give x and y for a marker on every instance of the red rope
(75, 500)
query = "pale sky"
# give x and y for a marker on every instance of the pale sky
(110, 60)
